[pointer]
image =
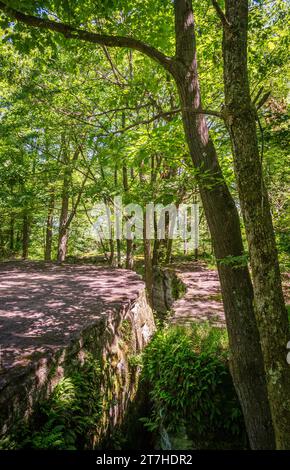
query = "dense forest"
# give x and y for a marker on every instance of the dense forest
(178, 103)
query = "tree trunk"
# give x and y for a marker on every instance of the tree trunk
(269, 302)
(66, 218)
(129, 242)
(129, 254)
(2, 238)
(25, 236)
(119, 254)
(168, 257)
(62, 244)
(111, 240)
(156, 243)
(49, 226)
(147, 263)
(220, 210)
(222, 217)
(111, 256)
(63, 228)
(11, 234)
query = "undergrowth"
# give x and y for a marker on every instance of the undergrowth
(68, 418)
(190, 385)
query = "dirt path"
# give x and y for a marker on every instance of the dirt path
(202, 300)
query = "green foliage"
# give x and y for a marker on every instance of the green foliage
(68, 419)
(54, 88)
(288, 311)
(190, 383)
(135, 360)
(126, 331)
(55, 91)
(234, 261)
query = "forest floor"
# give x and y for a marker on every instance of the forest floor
(202, 300)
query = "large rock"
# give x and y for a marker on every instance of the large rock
(52, 318)
(167, 287)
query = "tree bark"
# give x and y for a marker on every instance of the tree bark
(66, 218)
(129, 242)
(270, 308)
(119, 253)
(11, 234)
(25, 235)
(49, 226)
(220, 210)
(112, 251)
(246, 355)
(2, 238)
(156, 243)
(168, 257)
(147, 263)
(64, 214)
(63, 229)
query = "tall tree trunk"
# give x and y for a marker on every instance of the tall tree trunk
(2, 238)
(66, 218)
(49, 226)
(247, 361)
(169, 245)
(221, 213)
(64, 214)
(119, 253)
(197, 221)
(62, 243)
(156, 244)
(25, 235)
(111, 256)
(129, 242)
(11, 234)
(147, 263)
(269, 302)
(111, 240)
(129, 254)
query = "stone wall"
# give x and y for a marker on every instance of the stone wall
(167, 287)
(115, 340)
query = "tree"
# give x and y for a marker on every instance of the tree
(241, 116)
(223, 221)
(220, 210)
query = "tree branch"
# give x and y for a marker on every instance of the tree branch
(165, 115)
(263, 100)
(116, 72)
(221, 14)
(70, 32)
(76, 204)
(258, 95)
(208, 112)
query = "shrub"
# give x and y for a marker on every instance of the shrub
(68, 418)
(190, 384)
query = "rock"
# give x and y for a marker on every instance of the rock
(53, 317)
